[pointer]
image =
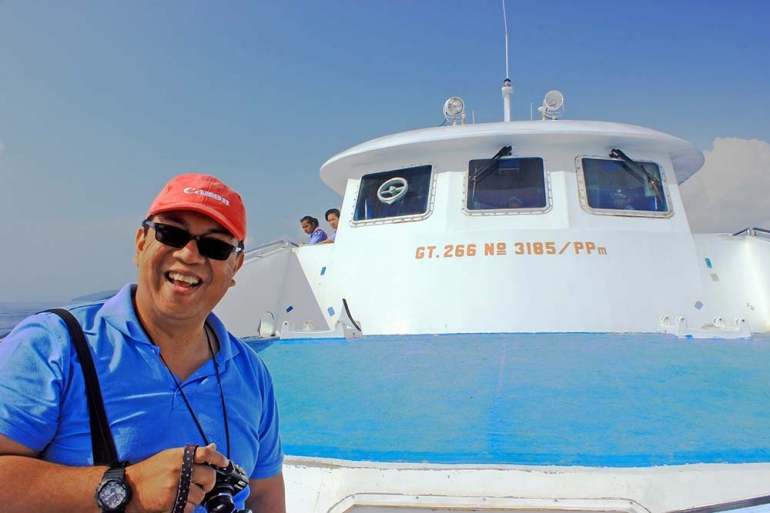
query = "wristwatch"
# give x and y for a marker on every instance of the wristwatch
(113, 493)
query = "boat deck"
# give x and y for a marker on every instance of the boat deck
(546, 399)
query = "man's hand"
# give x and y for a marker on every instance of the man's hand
(154, 481)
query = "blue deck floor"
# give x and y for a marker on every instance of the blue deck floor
(555, 399)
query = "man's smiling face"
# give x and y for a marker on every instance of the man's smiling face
(180, 283)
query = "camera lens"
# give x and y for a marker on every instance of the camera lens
(220, 503)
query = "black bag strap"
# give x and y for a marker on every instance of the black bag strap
(102, 443)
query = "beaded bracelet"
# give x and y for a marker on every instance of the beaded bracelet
(185, 478)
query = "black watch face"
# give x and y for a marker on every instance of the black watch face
(113, 494)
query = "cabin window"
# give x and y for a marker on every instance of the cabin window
(618, 188)
(506, 184)
(402, 193)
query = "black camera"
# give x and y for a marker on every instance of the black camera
(230, 480)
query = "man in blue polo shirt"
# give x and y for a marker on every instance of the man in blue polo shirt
(170, 375)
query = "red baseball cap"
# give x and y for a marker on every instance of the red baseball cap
(207, 195)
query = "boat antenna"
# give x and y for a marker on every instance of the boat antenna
(507, 88)
(505, 24)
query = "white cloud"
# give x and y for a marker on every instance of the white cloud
(2, 146)
(732, 190)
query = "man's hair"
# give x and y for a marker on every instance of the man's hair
(331, 211)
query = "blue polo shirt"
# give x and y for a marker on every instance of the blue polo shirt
(317, 236)
(43, 403)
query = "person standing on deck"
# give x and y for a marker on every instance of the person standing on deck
(310, 226)
(333, 218)
(170, 375)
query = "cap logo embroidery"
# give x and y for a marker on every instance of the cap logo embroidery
(201, 192)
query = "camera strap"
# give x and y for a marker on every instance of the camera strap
(185, 478)
(102, 443)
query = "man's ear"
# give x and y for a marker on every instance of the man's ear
(139, 243)
(238, 263)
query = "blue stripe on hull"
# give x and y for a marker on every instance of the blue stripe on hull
(551, 399)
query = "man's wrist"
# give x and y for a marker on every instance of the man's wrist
(113, 492)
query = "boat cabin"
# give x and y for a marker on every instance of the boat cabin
(523, 226)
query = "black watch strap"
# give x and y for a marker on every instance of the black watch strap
(117, 473)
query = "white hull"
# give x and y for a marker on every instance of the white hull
(333, 486)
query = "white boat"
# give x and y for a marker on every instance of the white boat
(511, 319)
(440, 234)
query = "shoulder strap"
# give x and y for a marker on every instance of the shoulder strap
(102, 443)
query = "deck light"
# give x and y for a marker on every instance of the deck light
(454, 107)
(553, 105)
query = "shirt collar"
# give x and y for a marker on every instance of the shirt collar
(119, 312)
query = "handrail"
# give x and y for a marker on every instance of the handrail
(753, 232)
(268, 249)
(730, 506)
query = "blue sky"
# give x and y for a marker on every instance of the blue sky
(102, 102)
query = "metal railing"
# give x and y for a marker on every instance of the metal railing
(268, 249)
(754, 232)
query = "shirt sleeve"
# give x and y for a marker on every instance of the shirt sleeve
(34, 359)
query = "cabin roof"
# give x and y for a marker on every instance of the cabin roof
(358, 160)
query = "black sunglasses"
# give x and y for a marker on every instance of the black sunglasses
(208, 247)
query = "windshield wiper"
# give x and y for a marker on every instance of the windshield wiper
(491, 165)
(638, 171)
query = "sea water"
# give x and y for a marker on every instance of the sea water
(13, 313)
